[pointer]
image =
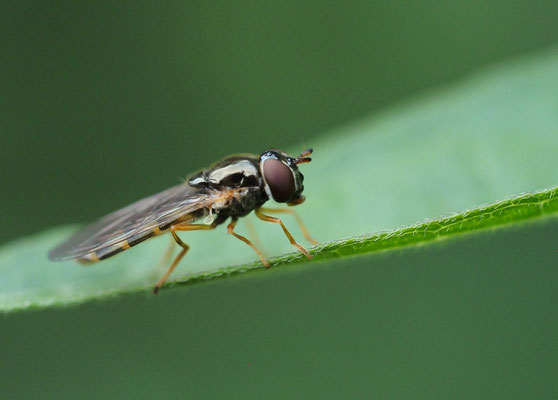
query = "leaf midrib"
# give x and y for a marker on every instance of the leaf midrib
(512, 210)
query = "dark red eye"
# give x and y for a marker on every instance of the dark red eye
(280, 180)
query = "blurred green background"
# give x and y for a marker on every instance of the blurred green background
(103, 103)
(392, 325)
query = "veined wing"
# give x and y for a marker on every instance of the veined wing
(133, 224)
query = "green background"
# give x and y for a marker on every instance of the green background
(413, 326)
(104, 103)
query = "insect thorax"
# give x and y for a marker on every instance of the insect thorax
(237, 184)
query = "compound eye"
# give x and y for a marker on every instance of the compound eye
(280, 180)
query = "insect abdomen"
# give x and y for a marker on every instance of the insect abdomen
(104, 253)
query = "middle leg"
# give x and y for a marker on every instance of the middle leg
(230, 229)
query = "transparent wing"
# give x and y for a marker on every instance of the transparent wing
(136, 222)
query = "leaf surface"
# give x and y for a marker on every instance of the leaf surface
(477, 142)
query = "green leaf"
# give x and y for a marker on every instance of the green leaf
(477, 142)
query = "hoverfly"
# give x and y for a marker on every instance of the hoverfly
(231, 188)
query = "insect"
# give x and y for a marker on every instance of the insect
(231, 188)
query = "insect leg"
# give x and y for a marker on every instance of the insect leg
(193, 227)
(230, 229)
(168, 253)
(185, 247)
(252, 232)
(298, 220)
(268, 218)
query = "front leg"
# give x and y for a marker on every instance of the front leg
(298, 220)
(268, 218)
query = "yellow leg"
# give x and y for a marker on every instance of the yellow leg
(278, 221)
(254, 234)
(230, 229)
(185, 247)
(167, 254)
(298, 220)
